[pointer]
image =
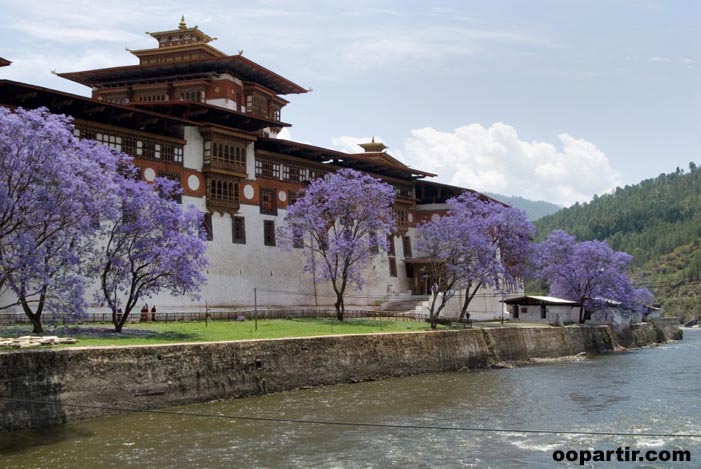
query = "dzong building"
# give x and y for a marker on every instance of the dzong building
(209, 120)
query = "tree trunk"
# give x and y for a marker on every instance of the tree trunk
(36, 324)
(433, 314)
(468, 299)
(581, 315)
(35, 318)
(340, 307)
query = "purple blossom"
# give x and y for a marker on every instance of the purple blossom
(477, 243)
(51, 187)
(150, 245)
(589, 272)
(342, 220)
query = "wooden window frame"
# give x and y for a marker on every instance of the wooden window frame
(265, 208)
(269, 233)
(238, 230)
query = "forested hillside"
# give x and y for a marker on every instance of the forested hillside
(534, 209)
(657, 221)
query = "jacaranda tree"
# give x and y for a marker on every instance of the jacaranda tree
(478, 243)
(342, 221)
(588, 272)
(151, 245)
(500, 234)
(51, 187)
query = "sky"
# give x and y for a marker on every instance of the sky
(554, 100)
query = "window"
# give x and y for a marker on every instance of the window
(392, 267)
(294, 173)
(238, 230)
(292, 197)
(267, 202)
(391, 256)
(208, 228)
(140, 146)
(192, 95)
(297, 237)
(222, 194)
(226, 152)
(112, 141)
(269, 232)
(267, 169)
(372, 243)
(406, 244)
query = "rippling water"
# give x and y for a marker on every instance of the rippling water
(655, 390)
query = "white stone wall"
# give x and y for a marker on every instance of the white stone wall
(554, 314)
(193, 152)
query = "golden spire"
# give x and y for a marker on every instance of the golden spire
(182, 24)
(373, 147)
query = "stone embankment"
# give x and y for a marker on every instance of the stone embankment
(42, 387)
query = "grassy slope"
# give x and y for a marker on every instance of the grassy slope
(175, 332)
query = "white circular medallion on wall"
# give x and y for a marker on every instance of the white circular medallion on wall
(282, 196)
(193, 182)
(435, 217)
(410, 218)
(248, 191)
(149, 174)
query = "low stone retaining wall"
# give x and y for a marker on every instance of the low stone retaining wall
(42, 387)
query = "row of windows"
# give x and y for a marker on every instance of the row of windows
(238, 231)
(176, 58)
(151, 98)
(228, 154)
(191, 95)
(275, 170)
(404, 191)
(222, 190)
(139, 147)
(117, 99)
(238, 236)
(263, 106)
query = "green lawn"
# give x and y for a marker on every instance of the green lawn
(161, 332)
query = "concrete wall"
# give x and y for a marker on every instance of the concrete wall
(81, 383)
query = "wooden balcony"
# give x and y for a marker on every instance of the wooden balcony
(216, 165)
(222, 205)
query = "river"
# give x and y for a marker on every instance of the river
(653, 390)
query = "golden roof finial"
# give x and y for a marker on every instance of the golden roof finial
(182, 24)
(373, 146)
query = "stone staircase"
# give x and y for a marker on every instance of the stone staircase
(403, 302)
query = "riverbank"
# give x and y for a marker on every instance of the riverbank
(43, 387)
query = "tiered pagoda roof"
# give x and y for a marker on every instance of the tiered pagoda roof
(237, 65)
(202, 61)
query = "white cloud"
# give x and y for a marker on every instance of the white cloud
(671, 60)
(496, 159)
(365, 50)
